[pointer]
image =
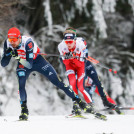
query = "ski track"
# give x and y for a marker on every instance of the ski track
(116, 124)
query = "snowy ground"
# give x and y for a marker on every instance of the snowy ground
(116, 124)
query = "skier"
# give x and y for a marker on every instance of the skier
(77, 47)
(24, 49)
(71, 47)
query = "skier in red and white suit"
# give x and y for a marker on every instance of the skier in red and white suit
(71, 48)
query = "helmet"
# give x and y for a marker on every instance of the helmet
(14, 33)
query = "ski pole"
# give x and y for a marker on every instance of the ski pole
(121, 108)
(56, 55)
(89, 59)
(99, 64)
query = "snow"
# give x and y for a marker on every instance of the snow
(131, 2)
(99, 18)
(109, 5)
(82, 5)
(48, 15)
(116, 124)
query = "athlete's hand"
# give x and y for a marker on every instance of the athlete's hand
(8, 52)
(68, 55)
(14, 53)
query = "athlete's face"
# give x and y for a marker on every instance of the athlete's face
(70, 43)
(14, 42)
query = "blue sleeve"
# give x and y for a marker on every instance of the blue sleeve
(29, 52)
(86, 52)
(63, 65)
(5, 59)
(86, 47)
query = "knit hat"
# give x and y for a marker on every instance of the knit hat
(14, 33)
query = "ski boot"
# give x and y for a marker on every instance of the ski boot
(85, 106)
(76, 112)
(91, 104)
(97, 114)
(111, 105)
(118, 110)
(89, 109)
(24, 112)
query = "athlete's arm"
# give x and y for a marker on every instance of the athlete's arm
(6, 56)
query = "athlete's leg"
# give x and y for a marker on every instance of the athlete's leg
(45, 68)
(80, 83)
(91, 72)
(72, 80)
(22, 74)
(107, 96)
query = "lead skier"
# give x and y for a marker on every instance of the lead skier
(24, 49)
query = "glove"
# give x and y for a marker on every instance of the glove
(8, 52)
(110, 105)
(107, 103)
(14, 53)
(68, 55)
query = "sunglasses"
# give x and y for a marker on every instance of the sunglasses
(69, 41)
(13, 39)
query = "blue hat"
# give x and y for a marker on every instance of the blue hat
(69, 36)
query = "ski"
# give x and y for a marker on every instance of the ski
(120, 108)
(100, 116)
(76, 116)
(96, 115)
(22, 120)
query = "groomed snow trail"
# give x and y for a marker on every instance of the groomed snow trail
(116, 124)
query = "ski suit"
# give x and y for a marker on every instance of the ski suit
(75, 66)
(27, 50)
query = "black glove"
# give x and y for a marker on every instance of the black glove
(14, 53)
(107, 103)
(68, 55)
(110, 105)
(8, 52)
